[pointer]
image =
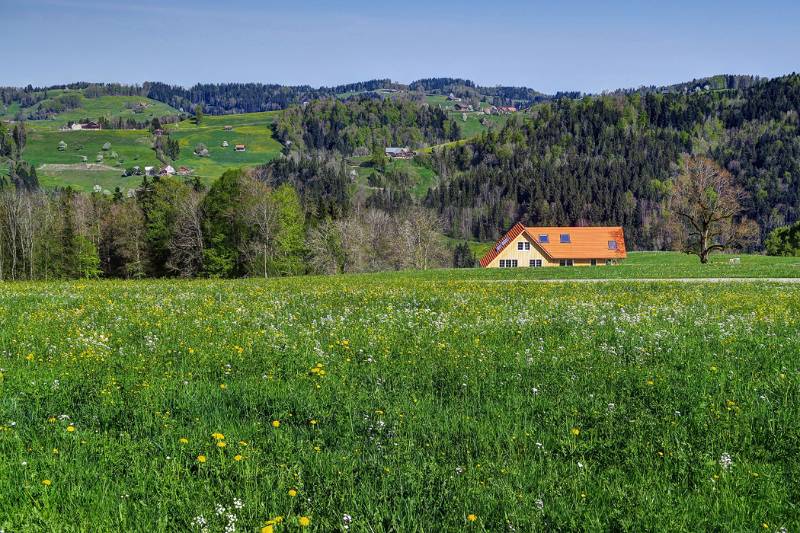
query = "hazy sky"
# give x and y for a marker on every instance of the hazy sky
(581, 45)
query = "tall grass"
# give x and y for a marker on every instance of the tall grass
(398, 403)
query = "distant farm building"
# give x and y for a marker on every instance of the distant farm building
(149, 171)
(89, 126)
(462, 107)
(240, 148)
(224, 144)
(184, 171)
(228, 128)
(556, 246)
(399, 153)
(168, 171)
(506, 110)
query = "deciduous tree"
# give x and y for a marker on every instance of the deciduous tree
(707, 203)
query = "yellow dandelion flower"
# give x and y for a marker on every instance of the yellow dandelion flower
(267, 529)
(218, 436)
(292, 493)
(201, 458)
(304, 521)
(70, 428)
(46, 482)
(472, 517)
(183, 440)
(223, 386)
(276, 423)
(237, 457)
(575, 431)
(221, 444)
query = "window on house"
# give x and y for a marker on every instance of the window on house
(565, 238)
(612, 245)
(566, 262)
(544, 239)
(523, 245)
(535, 263)
(508, 263)
(594, 262)
(513, 262)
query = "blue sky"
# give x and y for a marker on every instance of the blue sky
(550, 46)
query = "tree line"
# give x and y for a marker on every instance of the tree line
(240, 226)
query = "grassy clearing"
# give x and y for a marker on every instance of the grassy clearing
(405, 402)
(649, 265)
(133, 148)
(94, 108)
(250, 129)
(473, 127)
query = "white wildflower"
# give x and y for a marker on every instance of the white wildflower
(725, 461)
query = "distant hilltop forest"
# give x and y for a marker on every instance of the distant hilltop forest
(232, 98)
(470, 160)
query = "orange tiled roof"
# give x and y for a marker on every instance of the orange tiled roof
(584, 242)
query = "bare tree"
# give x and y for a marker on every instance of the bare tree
(327, 252)
(707, 203)
(11, 207)
(418, 240)
(261, 217)
(186, 246)
(127, 227)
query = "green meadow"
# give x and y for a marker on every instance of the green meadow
(94, 108)
(58, 168)
(433, 401)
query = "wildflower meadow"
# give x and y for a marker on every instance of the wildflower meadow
(399, 403)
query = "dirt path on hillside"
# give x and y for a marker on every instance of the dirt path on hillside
(61, 167)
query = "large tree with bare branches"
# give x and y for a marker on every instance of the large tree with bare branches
(707, 203)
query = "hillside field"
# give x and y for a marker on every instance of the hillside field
(435, 401)
(57, 168)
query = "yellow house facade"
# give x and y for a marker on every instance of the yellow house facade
(544, 246)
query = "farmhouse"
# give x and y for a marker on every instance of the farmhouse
(228, 128)
(168, 170)
(556, 246)
(90, 126)
(240, 148)
(399, 153)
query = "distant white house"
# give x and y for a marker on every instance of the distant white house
(240, 148)
(168, 171)
(148, 171)
(399, 153)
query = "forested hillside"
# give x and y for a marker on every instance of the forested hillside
(610, 160)
(596, 160)
(364, 123)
